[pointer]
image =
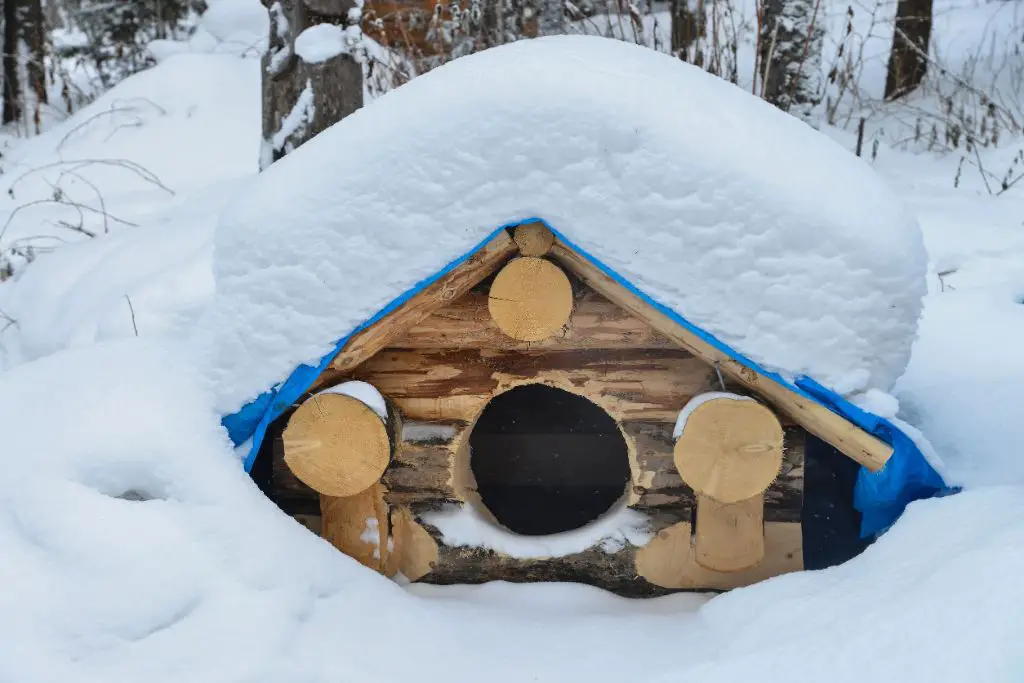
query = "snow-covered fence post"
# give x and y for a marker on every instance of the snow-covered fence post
(312, 73)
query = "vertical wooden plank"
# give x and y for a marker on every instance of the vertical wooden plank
(358, 526)
(730, 536)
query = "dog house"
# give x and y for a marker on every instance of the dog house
(542, 332)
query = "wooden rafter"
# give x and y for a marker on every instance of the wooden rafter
(460, 280)
(846, 437)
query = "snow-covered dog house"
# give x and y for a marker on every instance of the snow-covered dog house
(553, 311)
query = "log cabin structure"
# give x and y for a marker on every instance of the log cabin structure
(531, 418)
(570, 326)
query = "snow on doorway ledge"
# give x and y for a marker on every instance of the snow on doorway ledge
(466, 526)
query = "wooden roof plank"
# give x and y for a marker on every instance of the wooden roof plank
(460, 280)
(846, 437)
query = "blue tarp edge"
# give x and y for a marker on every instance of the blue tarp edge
(879, 496)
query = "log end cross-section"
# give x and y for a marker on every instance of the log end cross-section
(336, 445)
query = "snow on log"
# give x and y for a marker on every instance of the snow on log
(530, 299)
(336, 445)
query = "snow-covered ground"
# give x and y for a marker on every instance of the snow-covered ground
(134, 548)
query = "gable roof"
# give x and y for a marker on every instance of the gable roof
(895, 471)
(762, 231)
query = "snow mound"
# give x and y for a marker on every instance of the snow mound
(742, 219)
(135, 548)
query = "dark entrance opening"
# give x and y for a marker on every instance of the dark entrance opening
(546, 460)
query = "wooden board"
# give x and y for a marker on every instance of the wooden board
(648, 384)
(596, 323)
(358, 526)
(415, 550)
(729, 536)
(668, 560)
(460, 280)
(850, 440)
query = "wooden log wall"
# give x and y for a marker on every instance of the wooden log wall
(441, 372)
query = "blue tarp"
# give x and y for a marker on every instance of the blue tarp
(879, 496)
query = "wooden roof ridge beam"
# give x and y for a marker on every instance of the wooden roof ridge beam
(463, 277)
(847, 438)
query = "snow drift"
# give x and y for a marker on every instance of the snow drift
(744, 220)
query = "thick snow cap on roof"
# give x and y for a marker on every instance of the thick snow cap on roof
(742, 219)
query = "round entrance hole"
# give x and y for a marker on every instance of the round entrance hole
(546, 460)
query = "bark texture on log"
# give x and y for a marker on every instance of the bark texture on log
(657, 485)
(908, 60)
(423, 474)
(663, 566)
(639, 384)
(427, 473)
(596, 323)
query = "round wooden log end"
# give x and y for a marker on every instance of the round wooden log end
(336, 445)
(533, 239)
(730, 450)
(530, 299)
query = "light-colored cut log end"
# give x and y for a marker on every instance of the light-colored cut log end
(530, 299)
(336, 445)
(729, 450)
(533, 239)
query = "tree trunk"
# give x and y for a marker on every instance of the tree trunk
(12, 89)
(300, 100)
(908, 61)
(551, 18)
(35, 39)
(789, 48)
(686, 28)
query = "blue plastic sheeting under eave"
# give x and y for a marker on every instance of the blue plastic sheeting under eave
(880, 497)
